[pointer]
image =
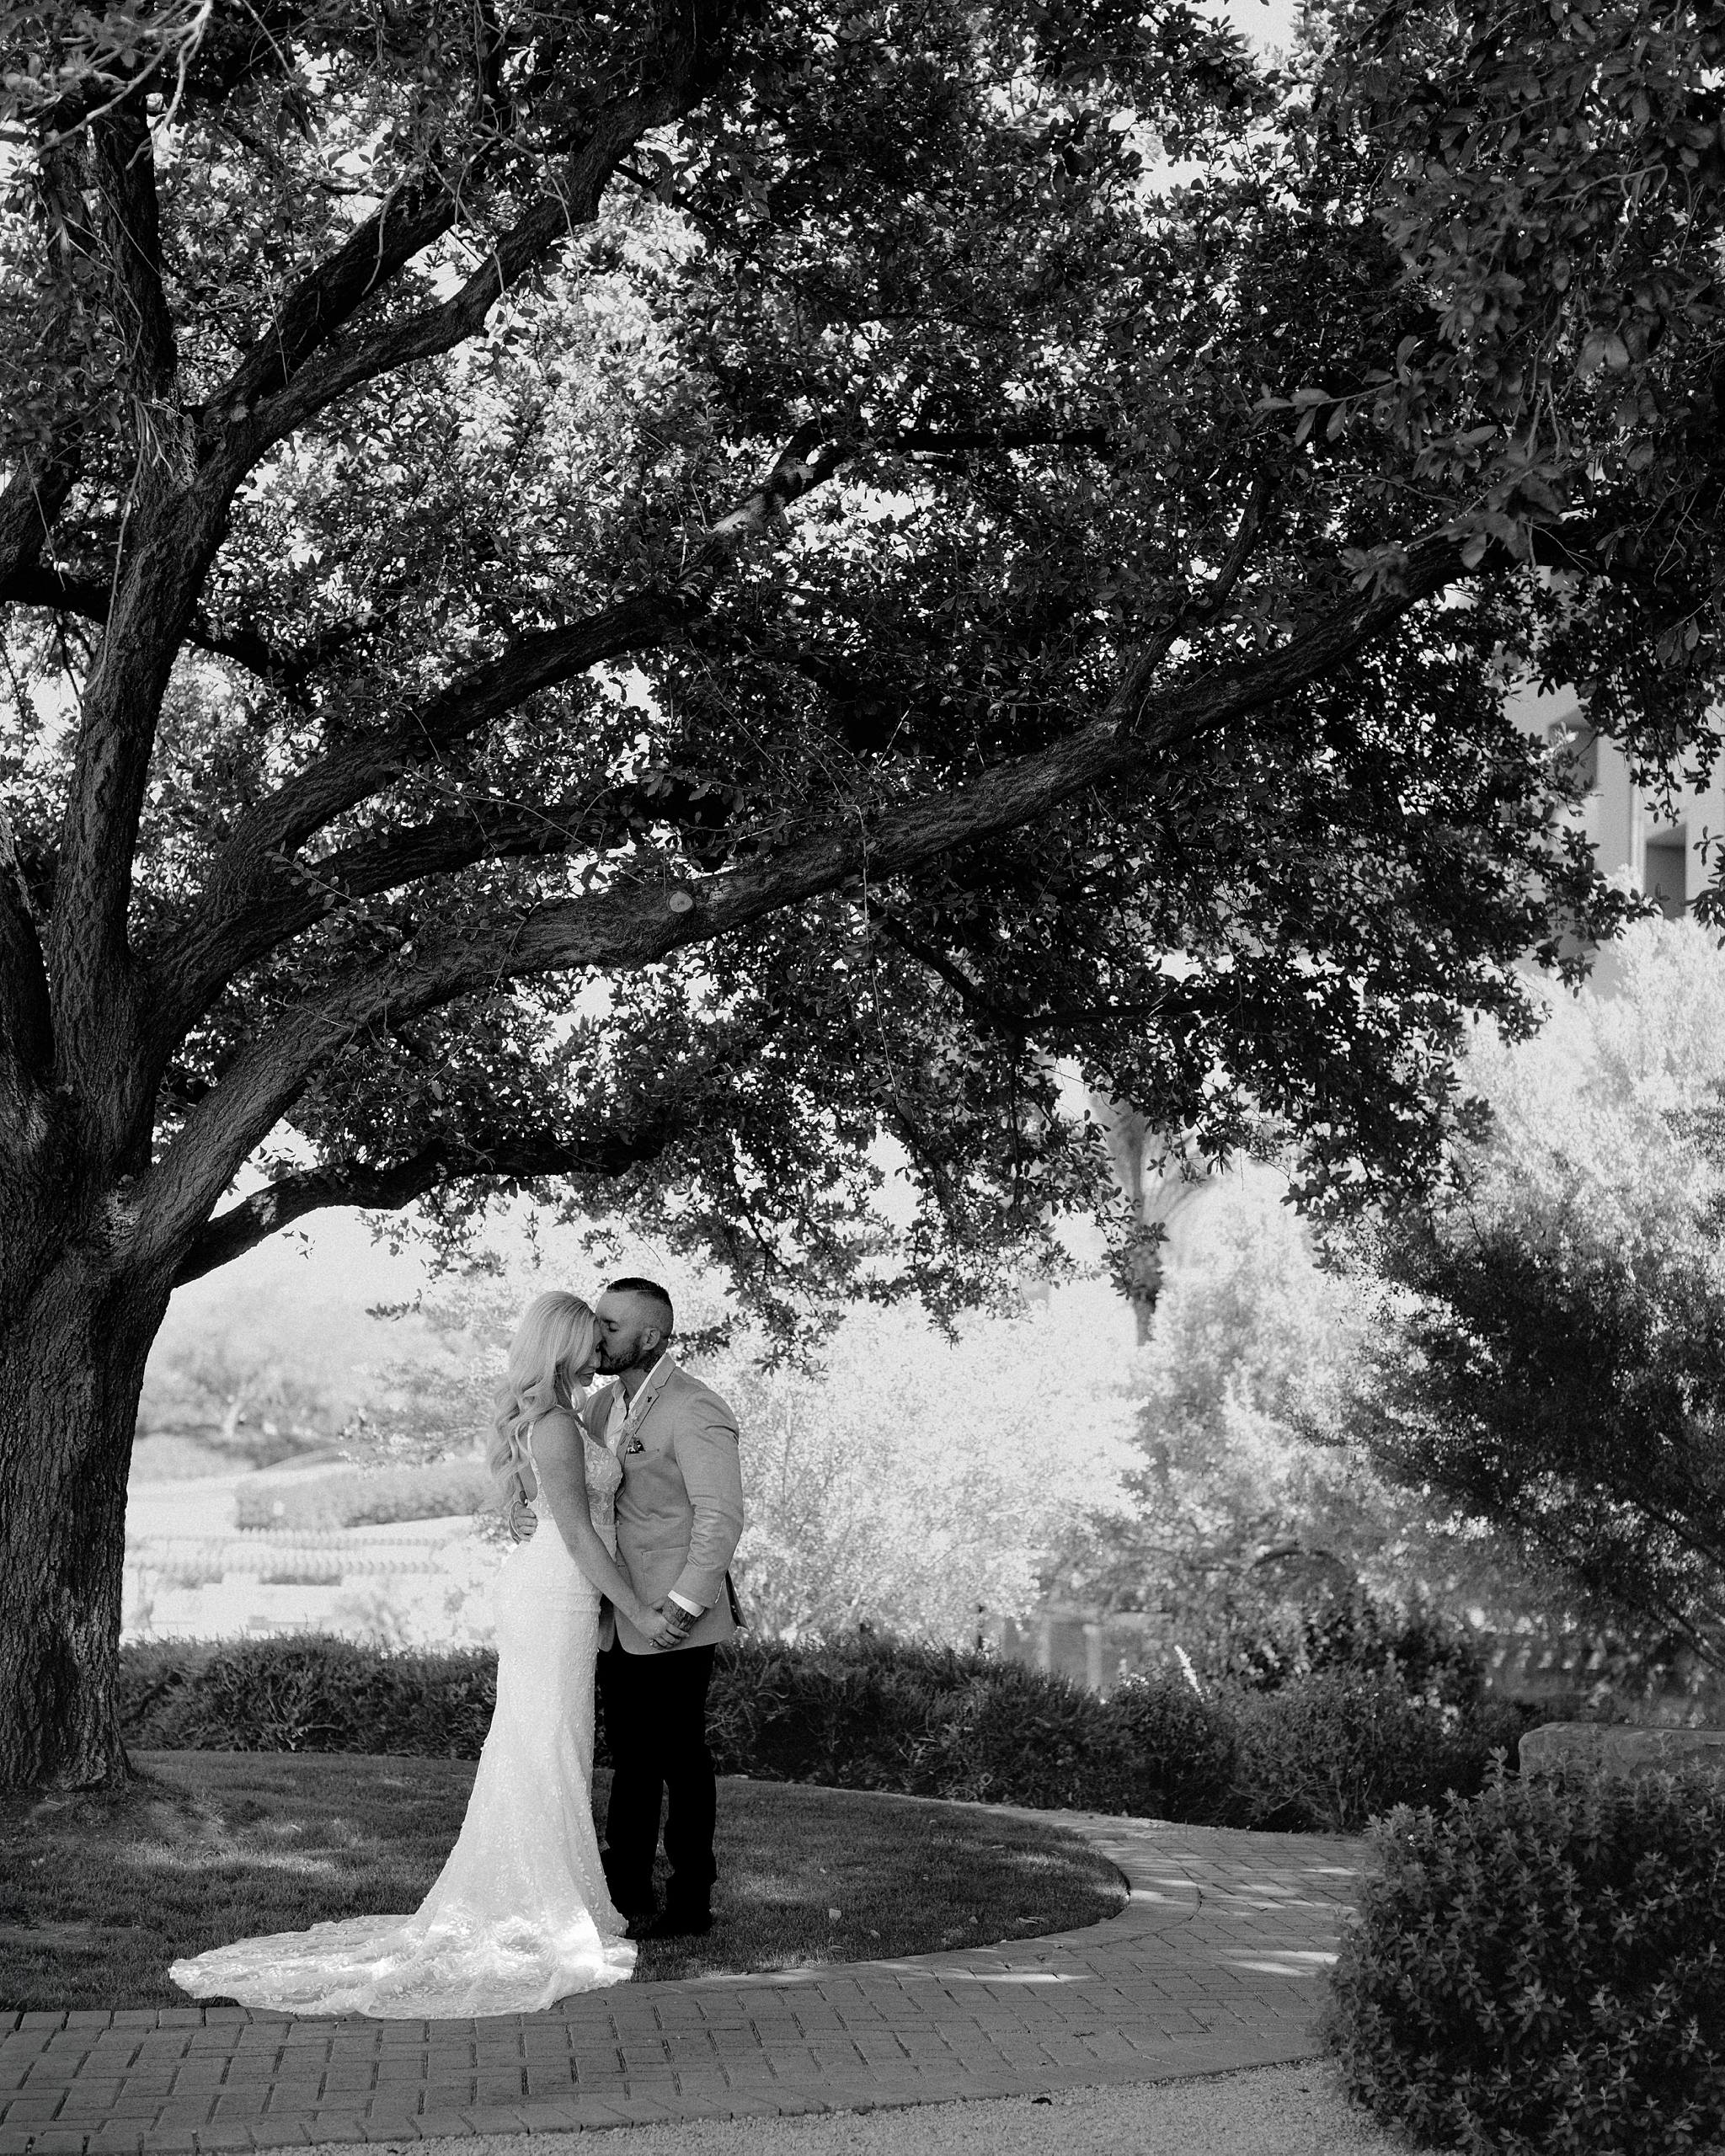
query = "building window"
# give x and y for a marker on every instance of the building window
(1666, 880)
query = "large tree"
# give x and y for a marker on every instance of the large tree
(627, 600)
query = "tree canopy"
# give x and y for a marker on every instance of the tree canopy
(791, 507)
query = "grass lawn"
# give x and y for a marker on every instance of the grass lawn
(98, 1895)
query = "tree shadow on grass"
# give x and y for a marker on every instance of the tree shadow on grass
(102, 1892)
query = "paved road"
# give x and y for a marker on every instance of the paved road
(1215, 1964)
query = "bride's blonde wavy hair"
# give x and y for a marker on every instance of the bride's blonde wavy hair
(556, 1338)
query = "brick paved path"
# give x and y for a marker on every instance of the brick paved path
(1215, 1963)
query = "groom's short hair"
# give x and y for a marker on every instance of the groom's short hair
(649, 1291)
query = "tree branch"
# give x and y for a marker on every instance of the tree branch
(1176, 1002)
(1197, 611)
(627, 927)
(442, 845)
(383, 1187)
(277, 391)
(287, 671)
(255, 871)
(255, 896)
(125, 174)
(323, 301)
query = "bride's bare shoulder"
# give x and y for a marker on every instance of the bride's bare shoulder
(559, 1428)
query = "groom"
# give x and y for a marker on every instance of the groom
(678, 1516)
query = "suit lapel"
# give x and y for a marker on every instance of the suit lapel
(648, 1397)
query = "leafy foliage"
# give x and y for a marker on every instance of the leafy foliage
(1341, 1744)
(1550, 1344)
(1549, 176)
(313, 1694)
(1260, 1537)
(460, 662)
(1538, 1970)
(867, 1711)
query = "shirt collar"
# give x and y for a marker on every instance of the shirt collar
(658, 1371)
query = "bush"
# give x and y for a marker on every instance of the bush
(870, 1713)
(1334, 1749)
(311, 1694)
(366, 1497)
(1538, 1970)
(930, 1721)
(1251, 1634)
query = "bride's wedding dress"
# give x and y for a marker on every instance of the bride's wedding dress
(520, 1916)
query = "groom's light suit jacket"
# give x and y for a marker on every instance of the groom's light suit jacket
(680, 1510)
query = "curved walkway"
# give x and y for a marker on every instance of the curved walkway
(1215, 1963)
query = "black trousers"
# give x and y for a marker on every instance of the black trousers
(655, 1723)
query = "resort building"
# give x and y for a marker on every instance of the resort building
(1665, 844)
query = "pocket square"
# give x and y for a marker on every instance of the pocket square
(634, 1445)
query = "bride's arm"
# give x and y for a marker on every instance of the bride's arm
(560, 1456)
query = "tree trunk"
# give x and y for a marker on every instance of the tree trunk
(72, 1366)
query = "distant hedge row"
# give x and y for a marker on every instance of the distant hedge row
(351, 1497)
(1325, 1753)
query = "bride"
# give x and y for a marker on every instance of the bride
(519, 1917)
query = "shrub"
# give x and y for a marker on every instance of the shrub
(931, 1721)
(1249, 1633)
(1187, 1748)
(366, 1497)
(1538, 1970)
(1336, 1748)
(862, 1713)
(308, 1693)
(194, 1571)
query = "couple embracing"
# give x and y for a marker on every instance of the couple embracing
(626, 1505)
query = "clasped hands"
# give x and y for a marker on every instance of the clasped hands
(675, 1623)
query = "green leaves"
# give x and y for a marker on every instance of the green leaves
(1554, 1324)
(1072, 445)
(1538, 1968)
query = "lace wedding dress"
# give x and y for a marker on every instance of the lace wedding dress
(520, 1916)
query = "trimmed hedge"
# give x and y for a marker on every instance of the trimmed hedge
(1538, 1970)
(866, 1713)
(366, 1496)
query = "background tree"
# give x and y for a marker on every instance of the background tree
(224, 1400)
(915, 1479)
(1550, 1334)
(628, 600)
(1259, 1535)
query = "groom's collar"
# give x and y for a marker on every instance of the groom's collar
(651, 1386)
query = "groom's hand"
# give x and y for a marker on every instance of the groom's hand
(522, 1521)
(675, 1625)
